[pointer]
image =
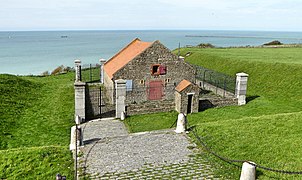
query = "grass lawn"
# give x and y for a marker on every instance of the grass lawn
(267, 130)
(150, 122)
(36, 115)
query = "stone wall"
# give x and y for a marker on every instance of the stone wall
(150, 107)
(140, 95)
(213, 101)
(139, 70)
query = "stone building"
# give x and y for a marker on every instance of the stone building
(186, 97)
(151, 71)
(146, 77)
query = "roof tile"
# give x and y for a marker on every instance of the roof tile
(125, 56)
(183, 85)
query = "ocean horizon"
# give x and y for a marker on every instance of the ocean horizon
(34, 52)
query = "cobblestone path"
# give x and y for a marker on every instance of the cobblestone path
(110, 152)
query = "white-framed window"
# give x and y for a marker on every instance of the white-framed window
(142, 82)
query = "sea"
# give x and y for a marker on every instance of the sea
(34, 52)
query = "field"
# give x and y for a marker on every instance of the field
(267, 130)
(36, 115)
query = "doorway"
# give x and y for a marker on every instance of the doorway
(189, 106)
(155, 90)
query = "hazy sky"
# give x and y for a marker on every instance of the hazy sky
(277, 15)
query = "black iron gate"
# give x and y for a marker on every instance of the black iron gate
(97, 105)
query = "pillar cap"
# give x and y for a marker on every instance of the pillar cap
(242, 74)
(120, 81)
(77, 61)
(79, 83)
(102, 60)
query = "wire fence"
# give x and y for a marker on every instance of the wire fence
(90, 73)
(229, 160)
(215, 78)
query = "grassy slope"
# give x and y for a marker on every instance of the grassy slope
(267, 129)
(275, 86)
(37, 115)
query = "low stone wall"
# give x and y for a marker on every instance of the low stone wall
(150, 107)
(216, 101)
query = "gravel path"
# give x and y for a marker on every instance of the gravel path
(110, 152)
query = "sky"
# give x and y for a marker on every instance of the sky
(265, 15)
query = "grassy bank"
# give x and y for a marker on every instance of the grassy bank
(41, 162)
(267, 129)
(36, 116)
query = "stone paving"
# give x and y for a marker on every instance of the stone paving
(110, 152)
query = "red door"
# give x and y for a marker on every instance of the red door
(155, 90)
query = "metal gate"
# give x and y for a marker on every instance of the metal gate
(97, 105)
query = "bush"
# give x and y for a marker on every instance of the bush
(45, 73)
(67, 69)
(58, 70)
(205, 45)
(61, 70)
(273, 43)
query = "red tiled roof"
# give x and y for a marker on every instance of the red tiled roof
(183, 85)
(125, 56)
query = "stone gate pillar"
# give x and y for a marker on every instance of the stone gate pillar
(79, 92)
(77, 66)
(241, 87)
(102, 62)
(120, 106)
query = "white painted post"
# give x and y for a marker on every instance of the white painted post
(120, 87)
(76, 138)
(79, 88)
(123, 116)
(102, 62)
(72, 145)
(78, 119)
(248, 171)
(77, 67)
(80, 141)
(241, 88)
(180, 58)
(181, 123)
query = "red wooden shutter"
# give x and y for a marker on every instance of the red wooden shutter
(162, 70)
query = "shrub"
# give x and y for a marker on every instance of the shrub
(273, 43)
(205, 45)
(45, 73)
(58, 70)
